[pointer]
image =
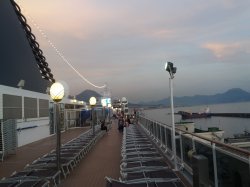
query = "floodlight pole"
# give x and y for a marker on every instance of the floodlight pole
(173, 122)
(172, 70)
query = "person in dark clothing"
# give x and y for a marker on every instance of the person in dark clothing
(120, 124)
(128, 121)
(103, 126)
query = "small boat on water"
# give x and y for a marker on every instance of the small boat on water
(193, 115)
(239, 138)
(245, 134)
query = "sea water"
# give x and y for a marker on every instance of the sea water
(231, 125)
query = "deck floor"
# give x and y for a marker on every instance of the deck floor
(103, 160)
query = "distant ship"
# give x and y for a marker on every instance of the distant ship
(192, 115)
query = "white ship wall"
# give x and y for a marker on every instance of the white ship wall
(29, 129)
(33, 134)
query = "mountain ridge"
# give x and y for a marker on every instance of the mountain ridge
(86, 94)
(230, 96)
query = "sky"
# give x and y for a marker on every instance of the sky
(126, 43)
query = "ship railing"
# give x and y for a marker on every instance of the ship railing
(72, 118)
(226, 165)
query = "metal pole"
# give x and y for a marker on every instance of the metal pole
(109, 114)
(103, 116)
(54, 118)
(104, 113)
(173, 123)
(215, 165)
(181, 148)
(93, 124)
(58, 135)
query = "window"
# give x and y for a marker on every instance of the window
(43, 108)
(30, 107)
(12, 107)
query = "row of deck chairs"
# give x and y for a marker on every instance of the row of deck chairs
(43, 171)
(141, 164)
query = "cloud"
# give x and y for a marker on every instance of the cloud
(222, 50)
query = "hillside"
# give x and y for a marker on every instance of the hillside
(230, 96)
(86, 94)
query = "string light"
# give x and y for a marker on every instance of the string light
(56, 49)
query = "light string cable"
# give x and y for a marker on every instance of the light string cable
(56, 49)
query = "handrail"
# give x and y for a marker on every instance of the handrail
(25, 128)
(246, 152)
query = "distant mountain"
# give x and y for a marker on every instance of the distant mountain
(231, 96)
(86, 94)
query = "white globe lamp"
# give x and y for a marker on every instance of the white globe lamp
(57, 92)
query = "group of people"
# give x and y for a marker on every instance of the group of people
(123, 122)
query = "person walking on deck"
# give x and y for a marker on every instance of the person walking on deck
(120, 124)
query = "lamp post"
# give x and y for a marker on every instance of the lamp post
(172, 70)
(109, 107)
(57, 94)
(104, 104)
(92, 102)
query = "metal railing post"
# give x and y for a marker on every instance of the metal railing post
(249, 163)
(160, 136)
(215, 165)
(181, 147)
(165, 132)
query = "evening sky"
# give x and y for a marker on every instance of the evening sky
(125, 44)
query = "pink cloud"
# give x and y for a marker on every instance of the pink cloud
(221, 50)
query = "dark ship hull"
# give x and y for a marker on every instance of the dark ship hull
(188, 115)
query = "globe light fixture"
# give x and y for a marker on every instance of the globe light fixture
(92, 101)
(57, 92)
